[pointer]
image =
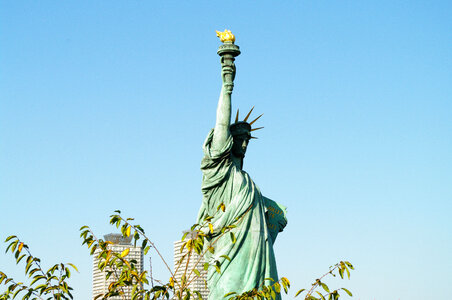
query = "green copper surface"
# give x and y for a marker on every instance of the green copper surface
(260, 219)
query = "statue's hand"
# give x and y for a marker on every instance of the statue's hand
(227, 73)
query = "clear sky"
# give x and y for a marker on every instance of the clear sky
(104, 105)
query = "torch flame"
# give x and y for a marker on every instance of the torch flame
(226, 36)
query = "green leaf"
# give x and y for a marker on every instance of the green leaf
(299, 292)
(197, 272)
(349, 265)
(36, 278)
(198, 294)
(284, 284)
(325, 287)
(18, 291)
(182, 247)
(7, 248)
(10, 237)
(75, 268)
(84, 233)
(98, 296)
(286, 281)
(33, 271)
(348, 292)
(93, 250)
(20, 258)
(29, 262)
(114, 219)
(335, 294)
(232, 237)
(217, 268)
(139, 228)
(136, 237)
(226, 257)
(14, 245)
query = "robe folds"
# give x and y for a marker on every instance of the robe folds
(252, 256)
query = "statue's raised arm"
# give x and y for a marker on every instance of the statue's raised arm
(223, 120)
(227, 52)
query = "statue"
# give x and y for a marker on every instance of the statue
(227, 186)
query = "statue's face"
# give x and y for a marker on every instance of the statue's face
(240, 144)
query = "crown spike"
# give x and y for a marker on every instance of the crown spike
(256, 128)
(256, 119)
(253, 137)
(248, 115)
(237, 116)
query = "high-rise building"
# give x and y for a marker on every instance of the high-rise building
(120, 243)
(198, 283)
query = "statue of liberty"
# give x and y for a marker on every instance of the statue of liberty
(225, 184)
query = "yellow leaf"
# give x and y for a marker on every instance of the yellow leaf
(211, 228)
(171, 280)
(223, 207)
(21, 245)
(128, 230)
(125, 252)
(189, 245)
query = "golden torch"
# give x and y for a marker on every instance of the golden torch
(228, 51)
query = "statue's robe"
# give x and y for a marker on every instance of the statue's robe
(252, 256)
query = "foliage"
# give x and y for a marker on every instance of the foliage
(264, 292)
(341, 267)
(270, 291)
(125, 275)
(50, 284)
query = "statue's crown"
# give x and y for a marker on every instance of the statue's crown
(243, 127)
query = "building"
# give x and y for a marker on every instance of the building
(199, 283)
(120, 243)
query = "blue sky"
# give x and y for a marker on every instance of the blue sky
(104, 105)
